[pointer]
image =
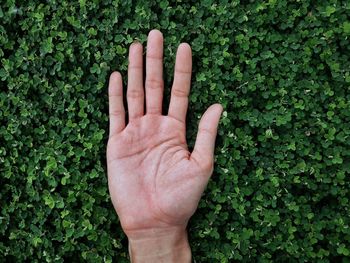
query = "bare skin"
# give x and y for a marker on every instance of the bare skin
(154, 181)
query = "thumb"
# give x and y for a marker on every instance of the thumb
(203, 152)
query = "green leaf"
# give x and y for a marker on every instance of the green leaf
(346, 27)
(330, 10)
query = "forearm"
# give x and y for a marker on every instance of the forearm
(159, 245)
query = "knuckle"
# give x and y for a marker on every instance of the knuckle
(185, 72)
(133, 66)
(153, 109)
(153, 83)
(154, 57)
(179, 93)
(116, 113)
(134, 93)
(205, 130)
(118, 93)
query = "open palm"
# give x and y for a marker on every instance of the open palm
(153, 179)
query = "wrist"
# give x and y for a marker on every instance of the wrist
(159, 245)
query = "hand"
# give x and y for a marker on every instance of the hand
(154, 181)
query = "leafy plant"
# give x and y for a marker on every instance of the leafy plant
(281, 69)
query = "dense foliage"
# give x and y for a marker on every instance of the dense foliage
(281, 185)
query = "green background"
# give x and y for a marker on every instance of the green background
(281, 69)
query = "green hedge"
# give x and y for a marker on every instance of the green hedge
(281, 69)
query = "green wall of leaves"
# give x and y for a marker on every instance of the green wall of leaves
(281, 186)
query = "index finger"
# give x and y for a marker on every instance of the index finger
(182, 83)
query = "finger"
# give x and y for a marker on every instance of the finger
(154, 72)
(116, 106)
(182, 83)
(203, 152)
(135, 94)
